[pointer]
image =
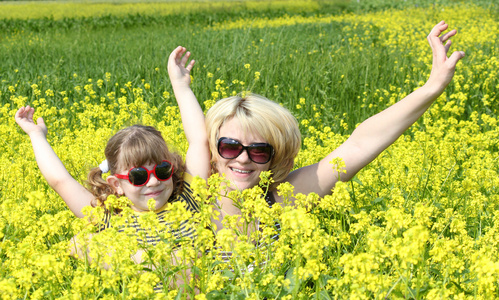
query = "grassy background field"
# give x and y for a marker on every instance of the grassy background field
(132, 42)
(418, 222)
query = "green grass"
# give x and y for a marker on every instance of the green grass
(132, 47)
(295, 61)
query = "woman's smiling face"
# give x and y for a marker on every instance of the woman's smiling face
(240, 171)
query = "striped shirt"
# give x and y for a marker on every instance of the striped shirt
(180, 233)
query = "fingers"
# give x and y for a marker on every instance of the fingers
(41, 123)
(25, 112)
(447, 46)
(191, 65)
(31, 112)
(19, 113)
(440, 45)
(180, 58)
(436, 30)
(176, 55)
(455, 57)
(433, 37)
(185, 58)
(180, 51)
(447, 35)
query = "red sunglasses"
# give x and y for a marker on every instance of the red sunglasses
(139, 176)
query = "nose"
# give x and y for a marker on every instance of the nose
(153, 181)
(243, 157)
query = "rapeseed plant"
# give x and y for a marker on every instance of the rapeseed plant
(420, 221)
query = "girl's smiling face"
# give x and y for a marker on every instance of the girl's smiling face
(156, 189)
(240, 171)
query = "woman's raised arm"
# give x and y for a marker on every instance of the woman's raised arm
(378, 132)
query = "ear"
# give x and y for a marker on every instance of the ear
(115, 184)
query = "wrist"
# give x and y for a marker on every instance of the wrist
(181, 86)
(432, 89)
(36, 134)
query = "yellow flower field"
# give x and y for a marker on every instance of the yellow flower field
(59, 10)
(420, 222)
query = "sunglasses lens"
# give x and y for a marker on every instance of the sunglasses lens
(138, 176)
(228, 148)
(163, 171)
(260, 154)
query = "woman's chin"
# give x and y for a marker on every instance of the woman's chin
(240, 185)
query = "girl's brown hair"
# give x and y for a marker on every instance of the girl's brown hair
(136, 145)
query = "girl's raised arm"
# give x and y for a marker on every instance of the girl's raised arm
(59, 179)
(378, 132)
(197, 159)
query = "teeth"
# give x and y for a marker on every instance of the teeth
(240, 171)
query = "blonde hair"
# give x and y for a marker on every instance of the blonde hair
(136, 145)
(257, 114)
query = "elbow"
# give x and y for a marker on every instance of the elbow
(56, 183)
(59, 185)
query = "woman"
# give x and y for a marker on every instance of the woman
(253, 134)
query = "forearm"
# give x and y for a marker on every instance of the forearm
(378, 132)
(382, 129)
(197, 159)
(71, 191)
(48, 162)
(191, 113)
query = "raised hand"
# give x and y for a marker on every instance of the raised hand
(443, 67)
(197, 159)
(178, 68)
(24, 118)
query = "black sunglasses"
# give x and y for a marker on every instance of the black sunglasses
(139, 176)
(260, 153)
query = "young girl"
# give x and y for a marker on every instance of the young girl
(140, 164)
